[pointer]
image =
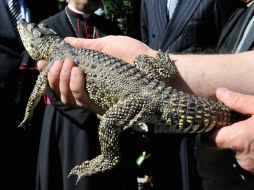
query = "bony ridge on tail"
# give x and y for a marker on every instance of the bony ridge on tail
(130, 94)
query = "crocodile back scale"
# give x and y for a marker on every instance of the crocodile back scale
(130, 94)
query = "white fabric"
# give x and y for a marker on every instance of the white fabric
(171, 6)
(85, 15)
(19, 9)
(25, 13)
(249, 29)
(15, 14)
(14, 8)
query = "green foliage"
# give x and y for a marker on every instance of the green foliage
(118, 11)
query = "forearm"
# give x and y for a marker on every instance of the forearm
(203, 74)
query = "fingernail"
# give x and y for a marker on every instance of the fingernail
(74, 77)
(67, 40)
(222, 92)
(65, 70)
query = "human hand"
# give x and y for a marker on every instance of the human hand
(239, 137)
(122, 47)
(68, 84)
(67, 81)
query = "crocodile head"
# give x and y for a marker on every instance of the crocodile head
(37, 39)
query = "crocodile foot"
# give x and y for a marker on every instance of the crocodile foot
(25, 123)
(97, 165)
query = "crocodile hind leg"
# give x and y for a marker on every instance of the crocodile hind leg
(38, 90)
(116, 119)
(161, 67)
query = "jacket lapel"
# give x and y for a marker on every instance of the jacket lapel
(160, 12)
(182, 15)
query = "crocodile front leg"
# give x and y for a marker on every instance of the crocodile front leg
(123, 114)
(161, 67)
(39, 89)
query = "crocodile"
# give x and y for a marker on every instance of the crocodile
(129, 93)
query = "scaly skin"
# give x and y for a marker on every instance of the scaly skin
(130, 93)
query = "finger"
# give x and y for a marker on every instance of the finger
(236, 101)
(64, 85)
(233, 137)
(41, 64)
(54, 77)
(77, 87)
(99, 116)
(84, 43)
(246, 162)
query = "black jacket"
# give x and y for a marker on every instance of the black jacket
(195, 26)
(11, 50)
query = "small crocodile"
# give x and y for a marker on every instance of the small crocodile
(130, 94)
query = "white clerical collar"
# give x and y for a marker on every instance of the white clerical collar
(85, 15)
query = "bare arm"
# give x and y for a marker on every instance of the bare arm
(198, 74)
(203, 74)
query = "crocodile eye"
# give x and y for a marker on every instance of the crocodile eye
(30, 26)
(36, 33)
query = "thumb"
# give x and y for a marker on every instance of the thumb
(76, 42)
(223, 137)
(84, 43)
(41, 64)
(231, 137)
(236, 101)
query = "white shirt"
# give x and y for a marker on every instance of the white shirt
(171, 5)
(25, 13)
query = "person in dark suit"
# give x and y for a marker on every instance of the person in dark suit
(237, 36)
(17, 76)
(69, 136)
(190, 27)
(194, 26)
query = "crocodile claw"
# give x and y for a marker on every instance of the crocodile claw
(25, 123)
(97, 165)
